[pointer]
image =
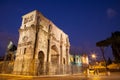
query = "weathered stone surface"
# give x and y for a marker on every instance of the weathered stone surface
(42, 46)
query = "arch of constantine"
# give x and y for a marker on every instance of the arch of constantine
(43, 48)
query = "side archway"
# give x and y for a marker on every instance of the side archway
(41, 63)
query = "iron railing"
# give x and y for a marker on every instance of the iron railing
(6, 67)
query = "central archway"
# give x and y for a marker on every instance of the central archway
(54, 55)
(41, 63)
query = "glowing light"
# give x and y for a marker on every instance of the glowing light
(85, 60)
(93, 56)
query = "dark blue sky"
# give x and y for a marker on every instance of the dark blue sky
(85, 21)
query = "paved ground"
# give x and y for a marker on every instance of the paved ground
(113, 76)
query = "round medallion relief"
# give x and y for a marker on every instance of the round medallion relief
(25, 38)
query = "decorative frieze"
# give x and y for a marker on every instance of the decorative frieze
(25, 44)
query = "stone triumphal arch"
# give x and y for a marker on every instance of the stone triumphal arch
(43, 48)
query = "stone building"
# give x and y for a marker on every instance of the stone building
(43, 48)
(79, 60)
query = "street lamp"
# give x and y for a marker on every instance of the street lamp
(94, 65)
(93, 56)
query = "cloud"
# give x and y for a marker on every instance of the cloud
(111, 13)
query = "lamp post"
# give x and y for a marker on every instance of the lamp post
(94, 57)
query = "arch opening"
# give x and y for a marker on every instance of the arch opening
(41, 63)
(54, 55)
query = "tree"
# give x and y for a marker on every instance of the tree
(109, 61)
(116, 46)
(114, 42)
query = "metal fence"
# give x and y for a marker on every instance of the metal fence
(6, 67)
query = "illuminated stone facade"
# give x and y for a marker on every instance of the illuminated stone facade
(42, 46)
(79, 60)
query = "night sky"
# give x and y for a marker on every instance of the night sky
(85, 21)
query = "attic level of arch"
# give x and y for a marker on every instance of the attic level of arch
(32, 27)
(33, 18)
(28, 19)
(49, 34)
